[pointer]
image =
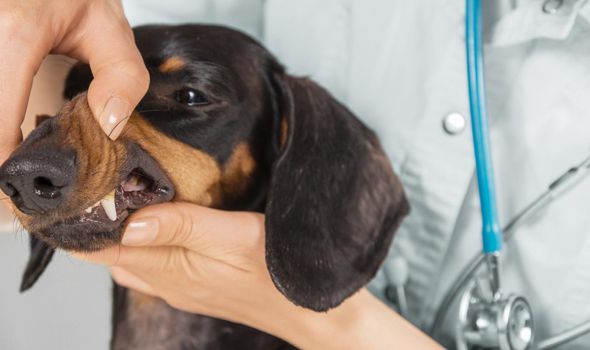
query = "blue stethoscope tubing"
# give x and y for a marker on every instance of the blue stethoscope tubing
(491, 229)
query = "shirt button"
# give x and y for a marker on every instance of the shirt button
(454, 123)
(551, 7)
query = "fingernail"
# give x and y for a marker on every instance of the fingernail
(141, 232)
(112, 118)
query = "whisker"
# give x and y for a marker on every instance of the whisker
(94, 173)
(17, 228)
(137, 111)
(118, 254)
(153, 110)
(119, 123)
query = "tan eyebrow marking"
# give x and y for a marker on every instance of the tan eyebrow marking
(172, 64)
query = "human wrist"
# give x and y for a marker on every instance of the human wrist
(360, 322)
(343, 327)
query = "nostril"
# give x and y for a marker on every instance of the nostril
(9, 189)
(45, 188)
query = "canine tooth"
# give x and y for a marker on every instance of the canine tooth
(110, 195)
(108, 204)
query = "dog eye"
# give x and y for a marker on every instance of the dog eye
(191, 97)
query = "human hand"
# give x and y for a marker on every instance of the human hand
(212, 262)
(93, 31)
(198, 260)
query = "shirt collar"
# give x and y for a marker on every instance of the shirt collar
(528, 21)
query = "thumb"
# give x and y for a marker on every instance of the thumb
(158, 232)
(209, 231)
(120, 76)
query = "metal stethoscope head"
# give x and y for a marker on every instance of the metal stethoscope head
(504, 323)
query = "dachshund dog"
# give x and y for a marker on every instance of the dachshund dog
(224, 126)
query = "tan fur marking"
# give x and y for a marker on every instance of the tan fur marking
(172, 64)
(195, 174)
(284, 133)
(99, 158)
(238, 169)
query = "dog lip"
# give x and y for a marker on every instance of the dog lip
(94, 231)
(139, 164)
(140, 159)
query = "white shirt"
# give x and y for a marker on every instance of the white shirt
(400, 66)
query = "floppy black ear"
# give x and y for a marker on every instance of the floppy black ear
(334, 201)
(41, 255)
(78, 80)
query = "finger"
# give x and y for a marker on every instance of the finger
(129, 280)
(120, 76)
(198, 228)
(162, 262)
(152, 259)
(18, 65)
(127, 256)
(108, 257)
(176, 231)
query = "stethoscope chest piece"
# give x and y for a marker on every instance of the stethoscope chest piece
(493, 322)
(518, 317)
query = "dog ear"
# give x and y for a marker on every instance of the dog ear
(78, 80)
(41, 255)
(334, 200)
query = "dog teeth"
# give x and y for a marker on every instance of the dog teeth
(89, 209)
(108, 204)
(133, 184)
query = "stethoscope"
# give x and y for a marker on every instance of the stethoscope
(488, 317)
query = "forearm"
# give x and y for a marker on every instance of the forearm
(361, 322)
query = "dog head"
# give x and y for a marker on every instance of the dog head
(222, 125)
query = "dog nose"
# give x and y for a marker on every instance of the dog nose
(38, 182)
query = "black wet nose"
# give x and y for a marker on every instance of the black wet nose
(38, 181)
